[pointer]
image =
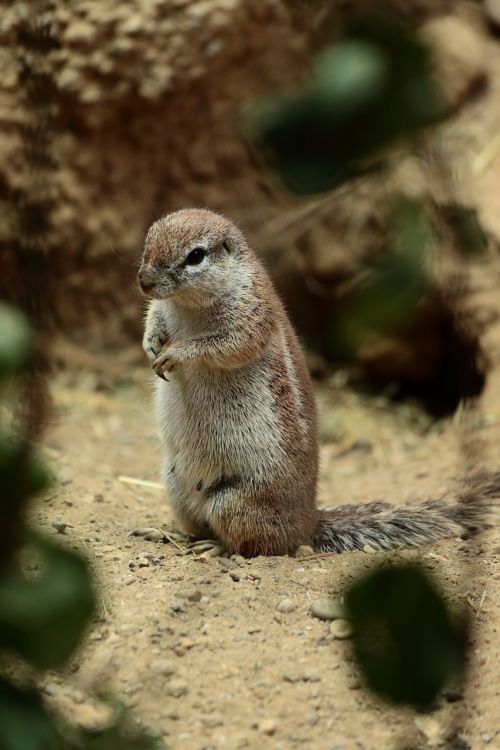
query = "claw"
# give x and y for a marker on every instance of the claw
(160, 359)
(160, 535)
(205, 547)
(149, 534)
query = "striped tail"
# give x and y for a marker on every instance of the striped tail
(382, 527)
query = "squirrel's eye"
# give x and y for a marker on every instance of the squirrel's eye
(195, 256)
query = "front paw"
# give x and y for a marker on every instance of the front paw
(153, 343)
(169, 359)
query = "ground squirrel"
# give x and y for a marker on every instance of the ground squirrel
(236, 411)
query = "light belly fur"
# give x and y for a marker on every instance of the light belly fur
(214, 424)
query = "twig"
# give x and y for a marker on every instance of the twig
(171, 539)
(140, 482)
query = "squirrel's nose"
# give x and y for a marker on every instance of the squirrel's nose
(145, 283)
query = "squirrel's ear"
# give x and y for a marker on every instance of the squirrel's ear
(227, 246)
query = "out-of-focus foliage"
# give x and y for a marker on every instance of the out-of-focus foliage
(408, 644)
(45, 606)
(24, 723)
(363, 93)
(374, 88)
(16, 341)
(469, 236)
(43, 619)
(392, 288)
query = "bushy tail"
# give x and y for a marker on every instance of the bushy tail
(382, 527)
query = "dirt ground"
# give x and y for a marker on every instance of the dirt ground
(197, 647)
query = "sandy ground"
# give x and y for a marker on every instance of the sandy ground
(197, 647)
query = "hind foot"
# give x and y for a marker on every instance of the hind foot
(205, 547)
(160, 535)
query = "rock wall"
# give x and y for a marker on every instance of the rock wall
(144, 120)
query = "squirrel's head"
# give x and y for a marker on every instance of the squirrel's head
(192, 253)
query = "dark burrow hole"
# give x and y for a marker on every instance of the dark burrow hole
(435, 357)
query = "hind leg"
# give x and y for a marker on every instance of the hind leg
(200, 529)
(187, 511)
(255, 522)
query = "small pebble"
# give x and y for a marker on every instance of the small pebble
(177, 605)
(431, 729)
(192, 595)
(459, 743)
(176, 688)
(452, 696)
(327, 609)
(183, 646)
(286, 606)
(163, 667)
(309, 676)
(212, 721)
(304, 551)
(65, 476)
(61, 526)
(341, 629)
(234, 575)
(213, 552)
(268, 726)
(353, 683)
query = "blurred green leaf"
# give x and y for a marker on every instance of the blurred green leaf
(361, 95)
(120, 737)
(391, 289)
(22, 474)
(16, 340)
(43, 619)
(348, 76)
(470, 238)
(24, 723)
(407, 644)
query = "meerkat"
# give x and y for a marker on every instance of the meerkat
(236, 412)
